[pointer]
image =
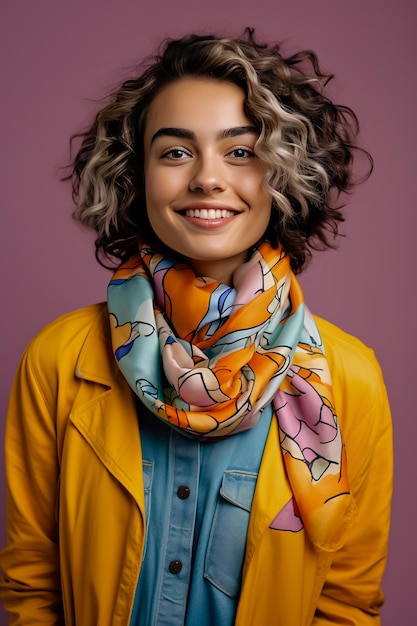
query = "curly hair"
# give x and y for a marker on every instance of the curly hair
(306, 141)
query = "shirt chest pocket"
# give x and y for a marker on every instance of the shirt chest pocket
(227, 541)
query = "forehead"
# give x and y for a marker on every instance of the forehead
(197, 103)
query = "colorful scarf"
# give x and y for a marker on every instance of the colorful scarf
(207, 358)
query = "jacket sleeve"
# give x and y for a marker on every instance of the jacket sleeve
(352, 594)
(30, 581)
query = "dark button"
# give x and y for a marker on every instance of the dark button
(175, 567)
(183, 492)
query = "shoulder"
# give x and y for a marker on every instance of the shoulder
(56, 350)
(76, 323)
(348, 356)
(69, 331)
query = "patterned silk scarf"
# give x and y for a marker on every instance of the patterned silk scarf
(207, 358)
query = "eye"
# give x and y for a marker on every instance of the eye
(241, 153)
(176, 154)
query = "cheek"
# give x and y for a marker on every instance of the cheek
(161, 188)
(155, 196)
(263, 213)
(153, 202)
(251, 184)
(150, 186)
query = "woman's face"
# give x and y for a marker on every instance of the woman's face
(205, 194)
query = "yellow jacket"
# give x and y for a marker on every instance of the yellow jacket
(75, 502)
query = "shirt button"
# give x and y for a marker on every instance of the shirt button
(175, 567)
(183, 492)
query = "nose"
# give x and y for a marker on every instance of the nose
(208, 174)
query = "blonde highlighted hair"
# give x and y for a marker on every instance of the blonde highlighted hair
(306, 141)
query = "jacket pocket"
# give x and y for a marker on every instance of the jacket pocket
(227, 541)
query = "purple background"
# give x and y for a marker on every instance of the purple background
(58, 56)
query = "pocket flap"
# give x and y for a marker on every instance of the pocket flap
(238, 488)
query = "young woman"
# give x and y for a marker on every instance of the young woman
(201, 449)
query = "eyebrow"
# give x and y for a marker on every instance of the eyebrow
(184, 133)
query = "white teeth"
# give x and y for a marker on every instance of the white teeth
(208, 214)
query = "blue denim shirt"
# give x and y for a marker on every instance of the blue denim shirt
(198, 497)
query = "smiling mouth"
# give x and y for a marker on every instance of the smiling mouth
(209, 214)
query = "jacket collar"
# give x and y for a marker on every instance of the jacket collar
(96, 362)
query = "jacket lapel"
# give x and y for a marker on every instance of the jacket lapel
(104, 411)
